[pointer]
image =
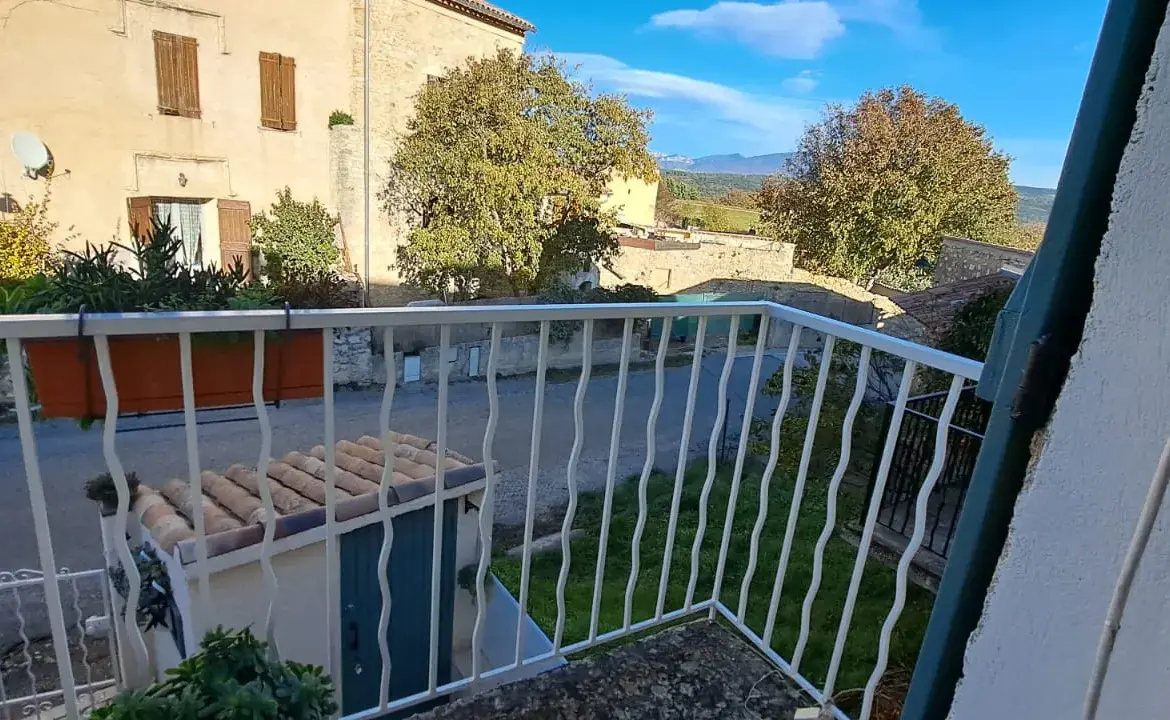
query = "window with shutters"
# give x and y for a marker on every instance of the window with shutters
(176, 66)
(278, 92)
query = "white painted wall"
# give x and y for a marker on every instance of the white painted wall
(1032, 653)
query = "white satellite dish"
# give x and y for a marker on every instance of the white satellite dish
(30, 151)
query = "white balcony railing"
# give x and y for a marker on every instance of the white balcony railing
(102, 327)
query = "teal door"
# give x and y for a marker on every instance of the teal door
(409, 635)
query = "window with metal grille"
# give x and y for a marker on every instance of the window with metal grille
(176, 65)
(278, 93)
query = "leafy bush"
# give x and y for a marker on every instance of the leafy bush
(24, 240)
(974, 324)
(562, 331)
(234, 676)
(154, 588)
(97, 279)
(340, 117)
(296, 238)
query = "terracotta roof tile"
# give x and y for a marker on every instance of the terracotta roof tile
(234, 515)
(936, 307)
(491, 12)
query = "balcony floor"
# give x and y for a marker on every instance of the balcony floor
(699, 670)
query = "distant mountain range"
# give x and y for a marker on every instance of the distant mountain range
(734, 164)
(1035, 203)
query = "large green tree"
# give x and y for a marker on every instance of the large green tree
(873, 188)
(500, 176)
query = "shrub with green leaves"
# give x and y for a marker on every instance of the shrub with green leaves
(234, 676)
(340, 117)
(296, 238)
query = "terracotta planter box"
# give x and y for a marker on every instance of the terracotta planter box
(146, 372)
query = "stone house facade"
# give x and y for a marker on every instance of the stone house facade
(200, 111)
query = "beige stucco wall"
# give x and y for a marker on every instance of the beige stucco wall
(674, 271)
(411, 40)
(82, 76)
(633, 199)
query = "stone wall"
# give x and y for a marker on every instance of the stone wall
(963, 259)
(412, 40)
(668, 271)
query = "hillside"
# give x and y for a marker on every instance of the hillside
(734, 164)
(1035, 203)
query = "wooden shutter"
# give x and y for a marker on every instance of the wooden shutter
(235, 237)
(189, 88)
(138, 210)
(165, 67)
(176, 67)
(288, 93)
(270, 90)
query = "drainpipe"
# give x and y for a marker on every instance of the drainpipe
(1037, 353)
(366, 26)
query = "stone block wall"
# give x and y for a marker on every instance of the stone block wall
(671, 271)
(963, 259)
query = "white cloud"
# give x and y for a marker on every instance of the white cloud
(790, 29)
(797, 29)
(767, 120)
(801, 84)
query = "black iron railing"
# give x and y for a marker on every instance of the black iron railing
(911, 461)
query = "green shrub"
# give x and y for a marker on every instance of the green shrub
(25, 240)
(340, 117)
(296, 238)
(234, 676)
(562, 331)
(104, 492)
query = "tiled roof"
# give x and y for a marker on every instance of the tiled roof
(487, 11)
(234, 515)
(935, 308)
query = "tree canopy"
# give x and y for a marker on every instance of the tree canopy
(873, 188)
(500, 176)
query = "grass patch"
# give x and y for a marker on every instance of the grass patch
(741, 219)
(873, 604)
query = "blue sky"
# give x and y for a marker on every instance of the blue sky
(725, 77)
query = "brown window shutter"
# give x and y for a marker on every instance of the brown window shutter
(235, 237)
(270, 90)
(288, 93)
(138, 210)
(165, 65)
(189, 87)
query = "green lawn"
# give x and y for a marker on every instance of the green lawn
(741, 219)
(874, 601)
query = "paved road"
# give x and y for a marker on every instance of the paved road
(69, 455)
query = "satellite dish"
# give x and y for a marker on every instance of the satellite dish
(30, 151)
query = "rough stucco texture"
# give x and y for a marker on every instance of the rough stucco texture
(1033, 652)
(675, 271)
(962, 259)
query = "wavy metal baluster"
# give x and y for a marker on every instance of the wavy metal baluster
(81, 634)
(486, 512)
(384, 509)
(332, 560)
(271, 586)
(769, 469)
(879, 488)
(193, 472)
(22, 630)
(903, 574)
(810, 435)
(647, 468)
(533, 472)
(712, 453)
(611, 474)
(681, 470)
(740, 457)
(122, 545)
(814, 586)
(440, 497)
(571, 478)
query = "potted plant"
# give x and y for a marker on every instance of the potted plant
(146, 368)
(104, 492)
(234, 676)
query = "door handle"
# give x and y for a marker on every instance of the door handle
(353, 635)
